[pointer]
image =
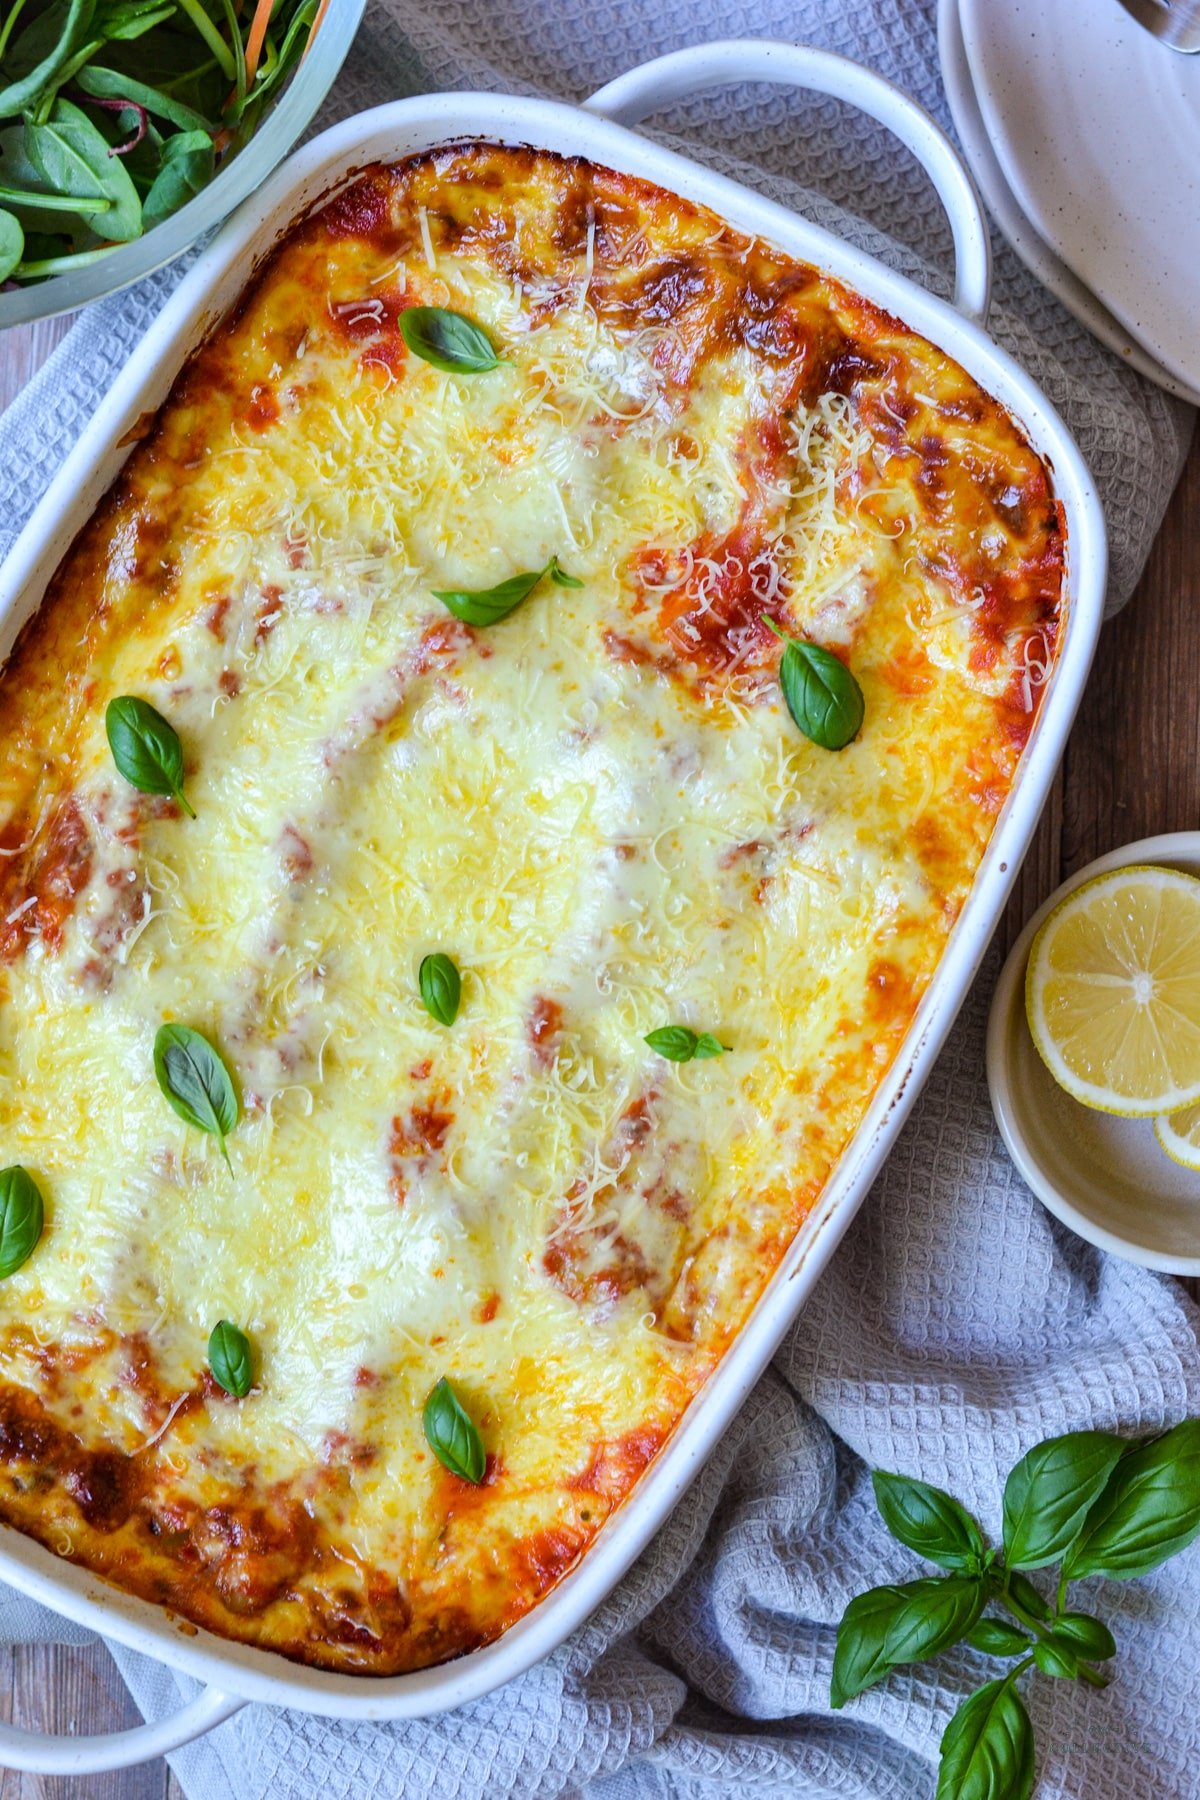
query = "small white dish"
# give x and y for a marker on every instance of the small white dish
(1037, 256)
(1096, 126)
(1105, 1177)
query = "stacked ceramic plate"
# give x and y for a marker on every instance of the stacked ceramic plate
(1083, 132)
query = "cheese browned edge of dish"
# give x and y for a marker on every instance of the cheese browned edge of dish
(599, 807)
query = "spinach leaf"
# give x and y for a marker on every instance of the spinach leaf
(110, 84)
(12, 242)
(39, 52)
(72, 157)
(187, 166)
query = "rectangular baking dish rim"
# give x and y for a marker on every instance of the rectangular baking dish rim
(221, 273)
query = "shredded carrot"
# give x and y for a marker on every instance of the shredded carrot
(321, 11)
(258, 31)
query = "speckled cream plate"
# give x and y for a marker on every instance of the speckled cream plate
(1096, 127)
(1037, 256)
(1105, 1177)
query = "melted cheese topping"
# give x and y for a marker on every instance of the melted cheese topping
(598, 807)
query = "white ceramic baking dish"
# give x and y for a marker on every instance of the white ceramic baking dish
(235, 1673)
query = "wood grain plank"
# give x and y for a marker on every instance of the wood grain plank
(23, 350)
(56, 1688)
(1133, 765)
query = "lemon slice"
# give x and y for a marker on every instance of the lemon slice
(1179, 1135)
(1112, 992)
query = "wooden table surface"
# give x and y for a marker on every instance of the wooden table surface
(1132, 768)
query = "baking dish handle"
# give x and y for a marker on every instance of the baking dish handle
(685, 73)
(43, 1754)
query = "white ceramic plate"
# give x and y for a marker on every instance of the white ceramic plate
(1105, 1177)
(1096, 126)
(1037, 256)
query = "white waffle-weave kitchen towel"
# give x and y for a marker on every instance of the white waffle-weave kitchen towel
(957, 1324)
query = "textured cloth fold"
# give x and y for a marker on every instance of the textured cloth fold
(958, 1322)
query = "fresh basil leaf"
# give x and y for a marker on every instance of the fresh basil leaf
(560, 577)
(146, 748)
(900, 1624)
(441, 987)
(938, 1611)
(39, 52)
(73, 158)
(451, 1434)
(448, 340)
(822, 695)
(111, 84)
(196, 1082)
(679, 1043)
(230, 1360)
(1149, 1510)
(858, 1659)
(1090, 1637)
(1060, 1660)
(996, 1637)
(188, 161)
(487, 606)
(22, 1216)
(930, 1522)
(1048, 1493)
(12, 244)
(987, 1748)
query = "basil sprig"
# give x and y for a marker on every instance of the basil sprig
(146, 748)
(822, 695)
(1095, 1503)
(22, 1216)
(230, 1360)
(452, 1435)
(441, 987)
(196, 1082)
(448, 340)
(679, 1043)
(487, 606)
